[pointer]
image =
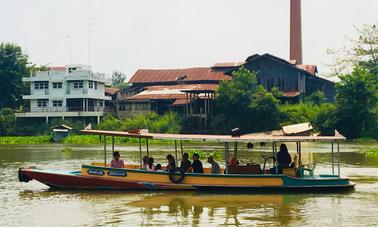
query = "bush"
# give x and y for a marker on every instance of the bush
(167, 123)
(322, 117)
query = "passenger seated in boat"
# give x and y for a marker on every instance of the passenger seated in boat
(145, 162)
(150, 165)
(185, 163)
(158, 168)
(233, 162)
(117, 162)
(196, 165)
(283, 157)
(215, 169)
(171, 163)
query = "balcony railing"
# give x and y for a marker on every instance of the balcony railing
(65, 109)
(76, 91)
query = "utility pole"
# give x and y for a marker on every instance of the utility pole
(68, 37)
(89, 32)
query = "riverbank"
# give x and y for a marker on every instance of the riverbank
(94, 139)
(75, 139)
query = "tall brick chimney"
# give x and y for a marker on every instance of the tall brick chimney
(295, 31)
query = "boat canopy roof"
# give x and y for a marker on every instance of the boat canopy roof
(219, 138)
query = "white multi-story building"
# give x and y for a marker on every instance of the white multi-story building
(71, 91)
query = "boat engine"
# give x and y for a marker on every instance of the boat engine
(22, 177)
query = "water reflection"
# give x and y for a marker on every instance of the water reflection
(231, 207)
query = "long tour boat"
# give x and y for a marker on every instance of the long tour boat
(249, 177)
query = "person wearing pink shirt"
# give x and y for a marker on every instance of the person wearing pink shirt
(117, 162)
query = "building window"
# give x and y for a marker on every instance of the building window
(57, 85)
(70, 70)
(95, 85)
(141, 107)
(42, 103)
(78, 84)
(91, 84)
(57, 103)
(41, 85)
(125, 107)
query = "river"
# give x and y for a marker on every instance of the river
(34, 204)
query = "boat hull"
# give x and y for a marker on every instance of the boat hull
(94, 177)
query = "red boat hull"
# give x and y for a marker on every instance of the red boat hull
(57, 180)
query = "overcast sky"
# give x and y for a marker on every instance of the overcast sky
(131, 34)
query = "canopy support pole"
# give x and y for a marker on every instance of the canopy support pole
(148, 150)
(182, 150)
(300, 154)
(112, 144)
(338, 159)
(104, 151)
(226, 154)
(140, 152)
(236, 150)
(332, 159)
(176, 150)
(273, 154)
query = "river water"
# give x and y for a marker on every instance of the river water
(34, 204)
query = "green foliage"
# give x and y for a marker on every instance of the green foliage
(244, 104)
(316, 98)
(109, 122)
(7, 121)
(265, 110)
(322, 117)
(277, 94)
(357, 104)
(119, 80)
(326, 119)
(167, 123)
(25, 139)
(365, 48)
(82, 139)
(372, 151)
(13, 66)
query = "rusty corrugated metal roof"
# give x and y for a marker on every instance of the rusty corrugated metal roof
(111, 90)
(157, 96)
(171, 75)
(57, 68)
(312, 69)
(180, 102)
(291, 94)
(183, 87)
(170, 91)
(228, 64)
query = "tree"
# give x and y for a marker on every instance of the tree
(264, 107)
(7, 121)
(233, 99)
(366, 47)
(316, 98)
(242, 103)
(119, 80)
(363, 52)
(357, 103)
(13, 66)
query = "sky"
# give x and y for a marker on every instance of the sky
(127, 35)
